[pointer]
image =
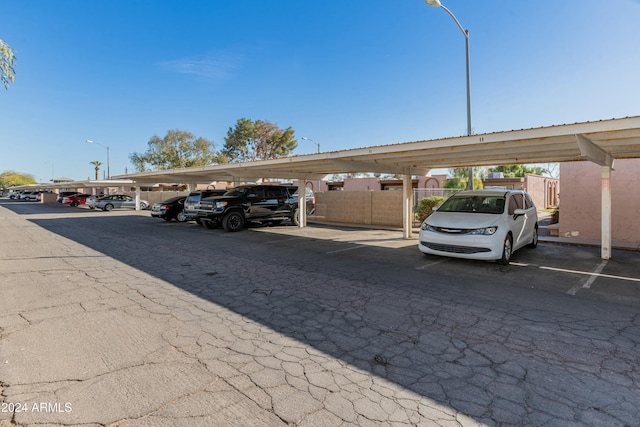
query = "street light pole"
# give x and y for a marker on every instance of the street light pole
(107, 147)
(318, 144)
(465, 33)
(309, 139)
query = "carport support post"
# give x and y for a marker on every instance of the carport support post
(302, 202)
(606, 213)
(137, 197)
(407, 206)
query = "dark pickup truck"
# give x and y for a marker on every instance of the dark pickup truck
(192, 202)
(256, 203)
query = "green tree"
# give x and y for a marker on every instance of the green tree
(426, 205)
(97, 164)
(12, 178)
(178, 149)
(7, 64)
(459, 178)
(518, 171)
(257, 140)
(455, 182)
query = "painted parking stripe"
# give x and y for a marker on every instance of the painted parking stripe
(592, 275)
(592, 278)
(422, 267)
(346, 249)
(609, 276)
(284, 240)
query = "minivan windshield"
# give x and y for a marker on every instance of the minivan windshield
(474, 204)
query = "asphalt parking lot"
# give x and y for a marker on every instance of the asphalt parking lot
(115, 318)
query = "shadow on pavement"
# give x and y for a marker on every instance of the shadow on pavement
(499, 354)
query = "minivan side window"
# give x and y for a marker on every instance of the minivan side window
(512, 205)
(527, 201)
(516, 202)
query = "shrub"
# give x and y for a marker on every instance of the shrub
(555, 216)
(426, 205)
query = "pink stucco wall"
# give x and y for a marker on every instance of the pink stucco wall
(361, 184)
(580, 200)
(543, 190)
(368, 184)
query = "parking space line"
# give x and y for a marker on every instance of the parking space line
(346, 249)
(432, 264)
(284, 240)
(592, 275)
(592, 278)
(610, 276)
(595, 274)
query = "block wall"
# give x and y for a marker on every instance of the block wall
(360, 207)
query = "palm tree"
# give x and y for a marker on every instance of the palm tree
(97, 164)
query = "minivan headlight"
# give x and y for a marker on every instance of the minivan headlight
(488, 231)
(427, 227)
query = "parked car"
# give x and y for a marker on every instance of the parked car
(170, 209)
(107, 203)
(192, 202)
(75, 199)
(30, 195)
(484, 224)
(64, 194)
(13, 194)
(264, 203)
(91, 201)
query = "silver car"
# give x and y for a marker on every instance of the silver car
(30, 195)
(107, 203)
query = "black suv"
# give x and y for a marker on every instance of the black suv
(263, 203)
(192, 202)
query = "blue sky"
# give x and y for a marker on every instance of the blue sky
(345, 73)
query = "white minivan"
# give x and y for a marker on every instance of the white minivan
(481, 224)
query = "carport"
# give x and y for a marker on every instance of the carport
(600, 142)
(107, 183)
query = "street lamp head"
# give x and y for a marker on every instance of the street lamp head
(434, 3)
(305, 138)
(89, 141)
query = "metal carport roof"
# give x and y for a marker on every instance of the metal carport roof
(617, 138)
(76, 184)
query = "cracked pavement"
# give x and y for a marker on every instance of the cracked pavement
(117, 319)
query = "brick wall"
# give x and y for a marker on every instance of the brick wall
(360, 207)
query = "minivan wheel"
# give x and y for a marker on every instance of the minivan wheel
(507, 249)
(534, 239)
(233, 221)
